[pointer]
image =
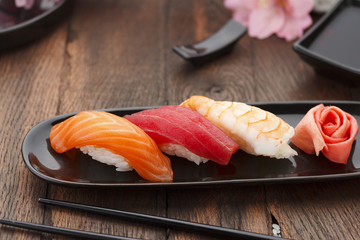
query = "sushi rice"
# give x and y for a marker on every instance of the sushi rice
(105, 156)
(181, 151)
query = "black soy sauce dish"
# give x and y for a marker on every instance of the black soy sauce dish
(332, 45)
(19, 26)
(218, 44)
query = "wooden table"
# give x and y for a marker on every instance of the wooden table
(112, 54)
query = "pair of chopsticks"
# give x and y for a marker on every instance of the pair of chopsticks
(151, 219)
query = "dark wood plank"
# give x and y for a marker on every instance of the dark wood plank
(280, 75)
(149, 201)
(30, 76)
(237, 207)
(115, 58)
(228, 78)
(293, 206)
(119, 54)
(316, 211)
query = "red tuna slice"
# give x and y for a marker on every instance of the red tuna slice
(187, 128)
(329, 130)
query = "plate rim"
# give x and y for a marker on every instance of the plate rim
(34, 19)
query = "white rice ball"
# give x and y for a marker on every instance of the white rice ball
(105, 156)
(180, 151)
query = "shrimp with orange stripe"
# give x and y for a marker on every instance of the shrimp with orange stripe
(257, 131)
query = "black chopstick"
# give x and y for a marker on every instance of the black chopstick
(62, 231)
(163, 221)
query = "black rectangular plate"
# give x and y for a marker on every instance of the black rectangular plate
(332, 45)
(73, 168)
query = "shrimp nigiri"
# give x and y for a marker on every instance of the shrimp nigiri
(112, 140)
(257, 131)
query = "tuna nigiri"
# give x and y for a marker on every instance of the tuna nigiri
(257, 132)
(112, 140)
(183, 132)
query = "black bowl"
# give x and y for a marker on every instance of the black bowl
(27, 25)
(332, 45)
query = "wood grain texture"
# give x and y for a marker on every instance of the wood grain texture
(114, 59)
(240, 208)
(115, 56)
(316, 211)
(29, 76)
(149, 201)
(280, 75)
(118, 53)
(228, 78)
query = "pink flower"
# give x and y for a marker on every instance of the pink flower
(27, 4)
(286, 18)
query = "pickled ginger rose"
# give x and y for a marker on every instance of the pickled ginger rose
(329, 130)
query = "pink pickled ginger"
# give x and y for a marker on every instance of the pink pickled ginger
(329, 130)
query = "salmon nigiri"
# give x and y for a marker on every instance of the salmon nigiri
(257, 132)
(184, 132)
(112, 140)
